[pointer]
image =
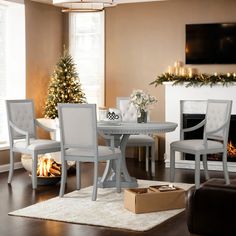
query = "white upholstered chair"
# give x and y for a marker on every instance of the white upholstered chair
(129, 114)
(78, 127)
(22, 135)
(215, 139)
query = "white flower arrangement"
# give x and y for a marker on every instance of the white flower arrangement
(142, 100)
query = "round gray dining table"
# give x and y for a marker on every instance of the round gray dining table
(121, 132)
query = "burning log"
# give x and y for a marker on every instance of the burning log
(54, 171)
(47, 167)
(56, 166)
(231, 149)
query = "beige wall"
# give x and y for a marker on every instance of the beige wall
(44, 40)
(143, 39)
(44, 35)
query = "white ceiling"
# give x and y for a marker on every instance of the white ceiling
(115, 1)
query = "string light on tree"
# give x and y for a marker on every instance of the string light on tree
(64, 86)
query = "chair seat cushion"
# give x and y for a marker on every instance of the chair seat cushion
(102, 151)
(196, 145)
(37, 144)
(140, 139)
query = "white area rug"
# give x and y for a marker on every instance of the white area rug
(108, 210)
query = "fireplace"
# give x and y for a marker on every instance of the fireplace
(190, 120)
(174, 95)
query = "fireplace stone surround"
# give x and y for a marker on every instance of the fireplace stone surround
(173, 96)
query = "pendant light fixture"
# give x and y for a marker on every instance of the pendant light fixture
(83, 5)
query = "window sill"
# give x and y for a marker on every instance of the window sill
(4, 146)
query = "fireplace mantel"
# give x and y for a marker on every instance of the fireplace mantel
(173, 96)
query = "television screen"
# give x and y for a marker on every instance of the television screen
(210, 43)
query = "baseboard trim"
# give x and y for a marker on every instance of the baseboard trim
(212, 165)
(4, 168)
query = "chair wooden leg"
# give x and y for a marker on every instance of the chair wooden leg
(147, 157)
(95, 181)
(63, 178)
(78, 175)
(225, 168)
(204, 161)
(118, 175)
(11, 168)
(197, 170)
(34, 170)
(172, 164)
(153, 168)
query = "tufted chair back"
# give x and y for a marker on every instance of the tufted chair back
(218, 118)
(21, 114)
(215, 138)
(128, 110)
(129, 114)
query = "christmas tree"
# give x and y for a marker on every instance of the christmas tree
(64, 86)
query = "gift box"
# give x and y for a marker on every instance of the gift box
(154, 198)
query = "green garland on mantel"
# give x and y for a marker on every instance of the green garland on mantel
(196, 80)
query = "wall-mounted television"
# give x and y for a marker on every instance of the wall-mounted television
(210, 43)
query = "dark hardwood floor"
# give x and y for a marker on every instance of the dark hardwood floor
(20, 194)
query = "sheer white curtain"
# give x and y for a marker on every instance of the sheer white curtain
(12, 58)
(86, 45)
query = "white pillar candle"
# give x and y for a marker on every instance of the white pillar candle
(183, 71)
(171, 70)
(178, 64)
(190, 72)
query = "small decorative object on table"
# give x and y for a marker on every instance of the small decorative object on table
(143, 117)
(142, 101)
(114, 114)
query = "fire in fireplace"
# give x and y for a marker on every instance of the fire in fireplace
(47, 167)
(231, 148)
(190, 120)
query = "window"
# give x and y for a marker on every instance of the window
(12, 58)
(86, 39)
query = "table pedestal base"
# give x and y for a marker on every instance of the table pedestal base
(112, 183)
